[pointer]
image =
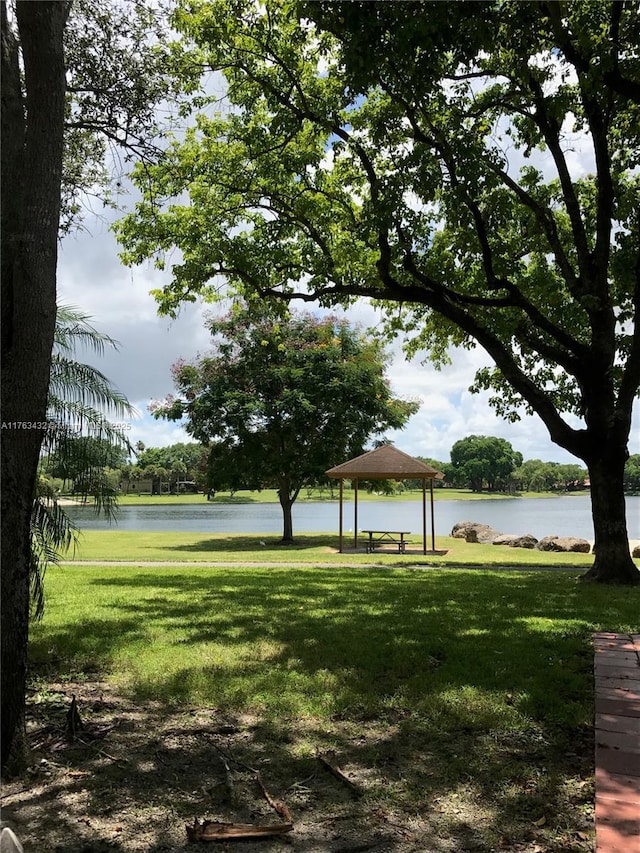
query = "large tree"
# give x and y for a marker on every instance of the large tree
(284, 399)
(484, 459)
(74, 78)
(183, 461)
(33, 110)
(424, 155)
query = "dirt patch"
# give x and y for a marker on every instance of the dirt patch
(133, 776)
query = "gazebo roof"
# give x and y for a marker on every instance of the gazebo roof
(384, 463)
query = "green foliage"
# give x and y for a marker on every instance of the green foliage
(104, 454)
(117, 75)
(283, 399)
(80, 440)
(188, 455)
(479, 459)
(174, 463)
(433, 463)
(397, 185)
(537, 476)
(632, 474)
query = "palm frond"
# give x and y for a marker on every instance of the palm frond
(73, 330)
(81, 407)
(71, 381)
(52, 532)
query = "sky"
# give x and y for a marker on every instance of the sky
(92, 278)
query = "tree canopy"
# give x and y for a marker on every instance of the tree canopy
(282, 399)
(534, 475)
(632, 474)
(117, 77)
(426, 161)
(172, 456)
(481, 460)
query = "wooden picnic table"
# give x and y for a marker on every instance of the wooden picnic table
(379, 538)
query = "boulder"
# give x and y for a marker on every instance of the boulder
(473, 531)
(564, 543)
(459, 530)
(505, 539)
(636, 552)
(527, 540)
(513, 540)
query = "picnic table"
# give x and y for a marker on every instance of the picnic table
(379, 538)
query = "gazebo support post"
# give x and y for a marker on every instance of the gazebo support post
(341, 505)
(433, 522)
(424, 515)
(355, 517)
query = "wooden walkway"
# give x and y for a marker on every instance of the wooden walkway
(617, 725)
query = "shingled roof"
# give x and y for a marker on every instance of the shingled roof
(384, 463)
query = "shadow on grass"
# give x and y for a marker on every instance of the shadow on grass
(251, 543)
(470, 684)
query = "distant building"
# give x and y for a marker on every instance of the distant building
(187, 487)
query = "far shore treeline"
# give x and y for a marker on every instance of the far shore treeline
(480, 463)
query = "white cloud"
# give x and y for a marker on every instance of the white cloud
(153, 433)
(91, 277)
(449, 412)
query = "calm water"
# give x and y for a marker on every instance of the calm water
(563, 516)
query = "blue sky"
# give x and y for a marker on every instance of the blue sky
(92, 278)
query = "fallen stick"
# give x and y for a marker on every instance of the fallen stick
(337, 772)
(111, 757)
(213, 830)
(277, 805)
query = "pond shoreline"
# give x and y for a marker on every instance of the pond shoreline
(269, 497)
(538, 517)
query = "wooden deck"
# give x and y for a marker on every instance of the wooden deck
(617, 730)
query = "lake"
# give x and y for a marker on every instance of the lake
(561, 516)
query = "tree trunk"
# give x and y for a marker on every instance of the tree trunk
(286, 503)
(613, 562)
(32, 151)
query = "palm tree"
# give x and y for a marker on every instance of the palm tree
(85, 412)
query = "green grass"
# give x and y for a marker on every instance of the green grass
(324, 642)
(470, 689)
(310, 548)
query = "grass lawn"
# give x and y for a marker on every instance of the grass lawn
(312, 548)
(461, 701)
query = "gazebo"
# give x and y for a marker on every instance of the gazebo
(387, 463)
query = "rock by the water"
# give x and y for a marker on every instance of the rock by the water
(564, 543)
(473, 531)
(513, 540)
(484, 534)
(459, 530)
(636, 552)
(504, 539)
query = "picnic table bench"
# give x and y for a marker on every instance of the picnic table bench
(379, 538)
